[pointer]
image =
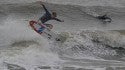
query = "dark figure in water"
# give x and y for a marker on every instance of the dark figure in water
(105, 18)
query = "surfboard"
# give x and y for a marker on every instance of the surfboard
(44, 31)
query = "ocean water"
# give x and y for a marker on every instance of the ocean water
(90, 44)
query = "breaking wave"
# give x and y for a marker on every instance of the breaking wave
(108, 45)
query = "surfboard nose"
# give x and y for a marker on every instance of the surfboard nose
(32, 22)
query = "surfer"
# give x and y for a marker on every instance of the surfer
(48, 16)
(104, 18)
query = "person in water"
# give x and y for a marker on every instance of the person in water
(49, 16)
(104, 18)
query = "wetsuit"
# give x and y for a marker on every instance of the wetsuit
(47, 16)
(104, 17)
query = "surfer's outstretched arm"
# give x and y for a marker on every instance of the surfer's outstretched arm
(58, 20)
(45, 8)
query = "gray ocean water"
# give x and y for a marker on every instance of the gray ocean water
(90, 44)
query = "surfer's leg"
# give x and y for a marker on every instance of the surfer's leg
(49, 25)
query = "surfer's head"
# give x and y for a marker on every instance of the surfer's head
(54, 14)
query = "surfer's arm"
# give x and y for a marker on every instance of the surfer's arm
(45, 8)
(58, 20)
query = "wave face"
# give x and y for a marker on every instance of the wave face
(104, 44)
(89, 46)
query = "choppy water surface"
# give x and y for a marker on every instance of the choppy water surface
(90, 45)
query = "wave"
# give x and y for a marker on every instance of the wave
(25, 45)
(108, 45)
(115, 3)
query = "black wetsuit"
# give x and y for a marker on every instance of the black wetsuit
(104, 17)
(47, 16)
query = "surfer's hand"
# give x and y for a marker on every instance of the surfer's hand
(62, 20)
(40, 2)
